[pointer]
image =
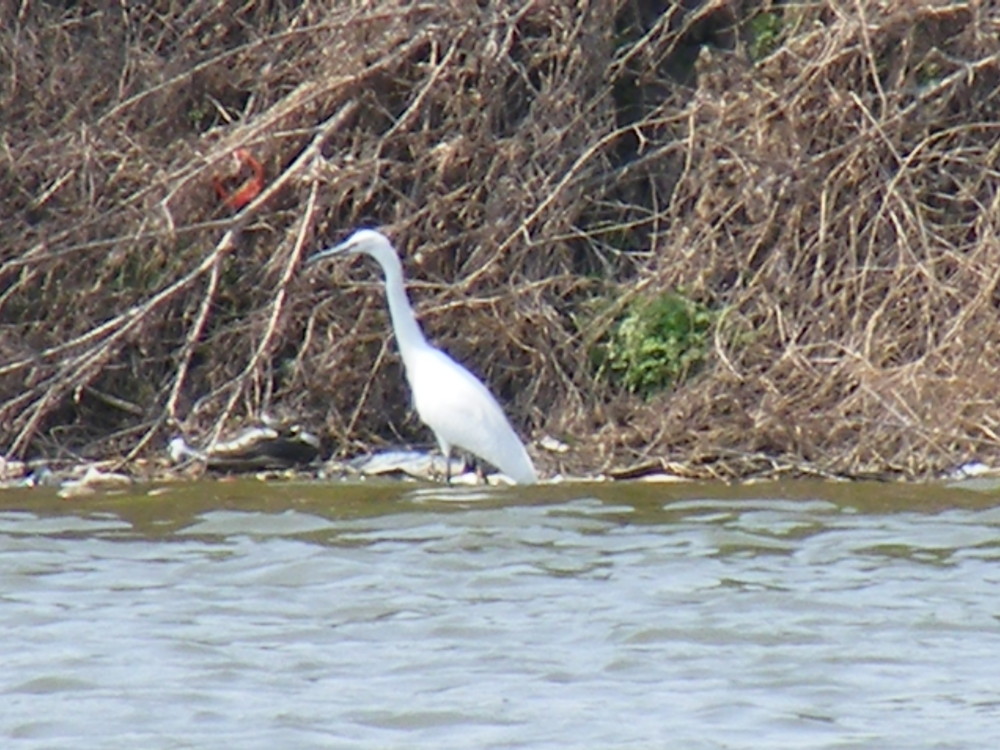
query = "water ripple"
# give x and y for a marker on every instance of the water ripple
(620, 619)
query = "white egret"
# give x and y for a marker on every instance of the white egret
(449, 399)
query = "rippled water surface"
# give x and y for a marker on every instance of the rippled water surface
(246, 615)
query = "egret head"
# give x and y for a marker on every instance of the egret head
(362, 242)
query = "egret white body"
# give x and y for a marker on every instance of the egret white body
(449, 399)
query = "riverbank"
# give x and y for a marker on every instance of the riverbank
(702, 243)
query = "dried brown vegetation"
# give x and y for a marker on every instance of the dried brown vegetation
(539, 165)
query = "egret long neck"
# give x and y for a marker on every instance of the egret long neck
(404, 322)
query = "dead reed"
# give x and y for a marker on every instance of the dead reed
(826, 178)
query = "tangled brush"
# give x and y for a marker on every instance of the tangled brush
(823, 178)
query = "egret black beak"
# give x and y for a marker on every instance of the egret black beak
(343, 248)
(321, 255)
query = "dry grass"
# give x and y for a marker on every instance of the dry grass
(538, 165)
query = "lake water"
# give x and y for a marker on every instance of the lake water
(250, 615)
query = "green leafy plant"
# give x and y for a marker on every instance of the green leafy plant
(660, 341)
(765, 34)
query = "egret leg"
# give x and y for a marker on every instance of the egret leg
(446, 452)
